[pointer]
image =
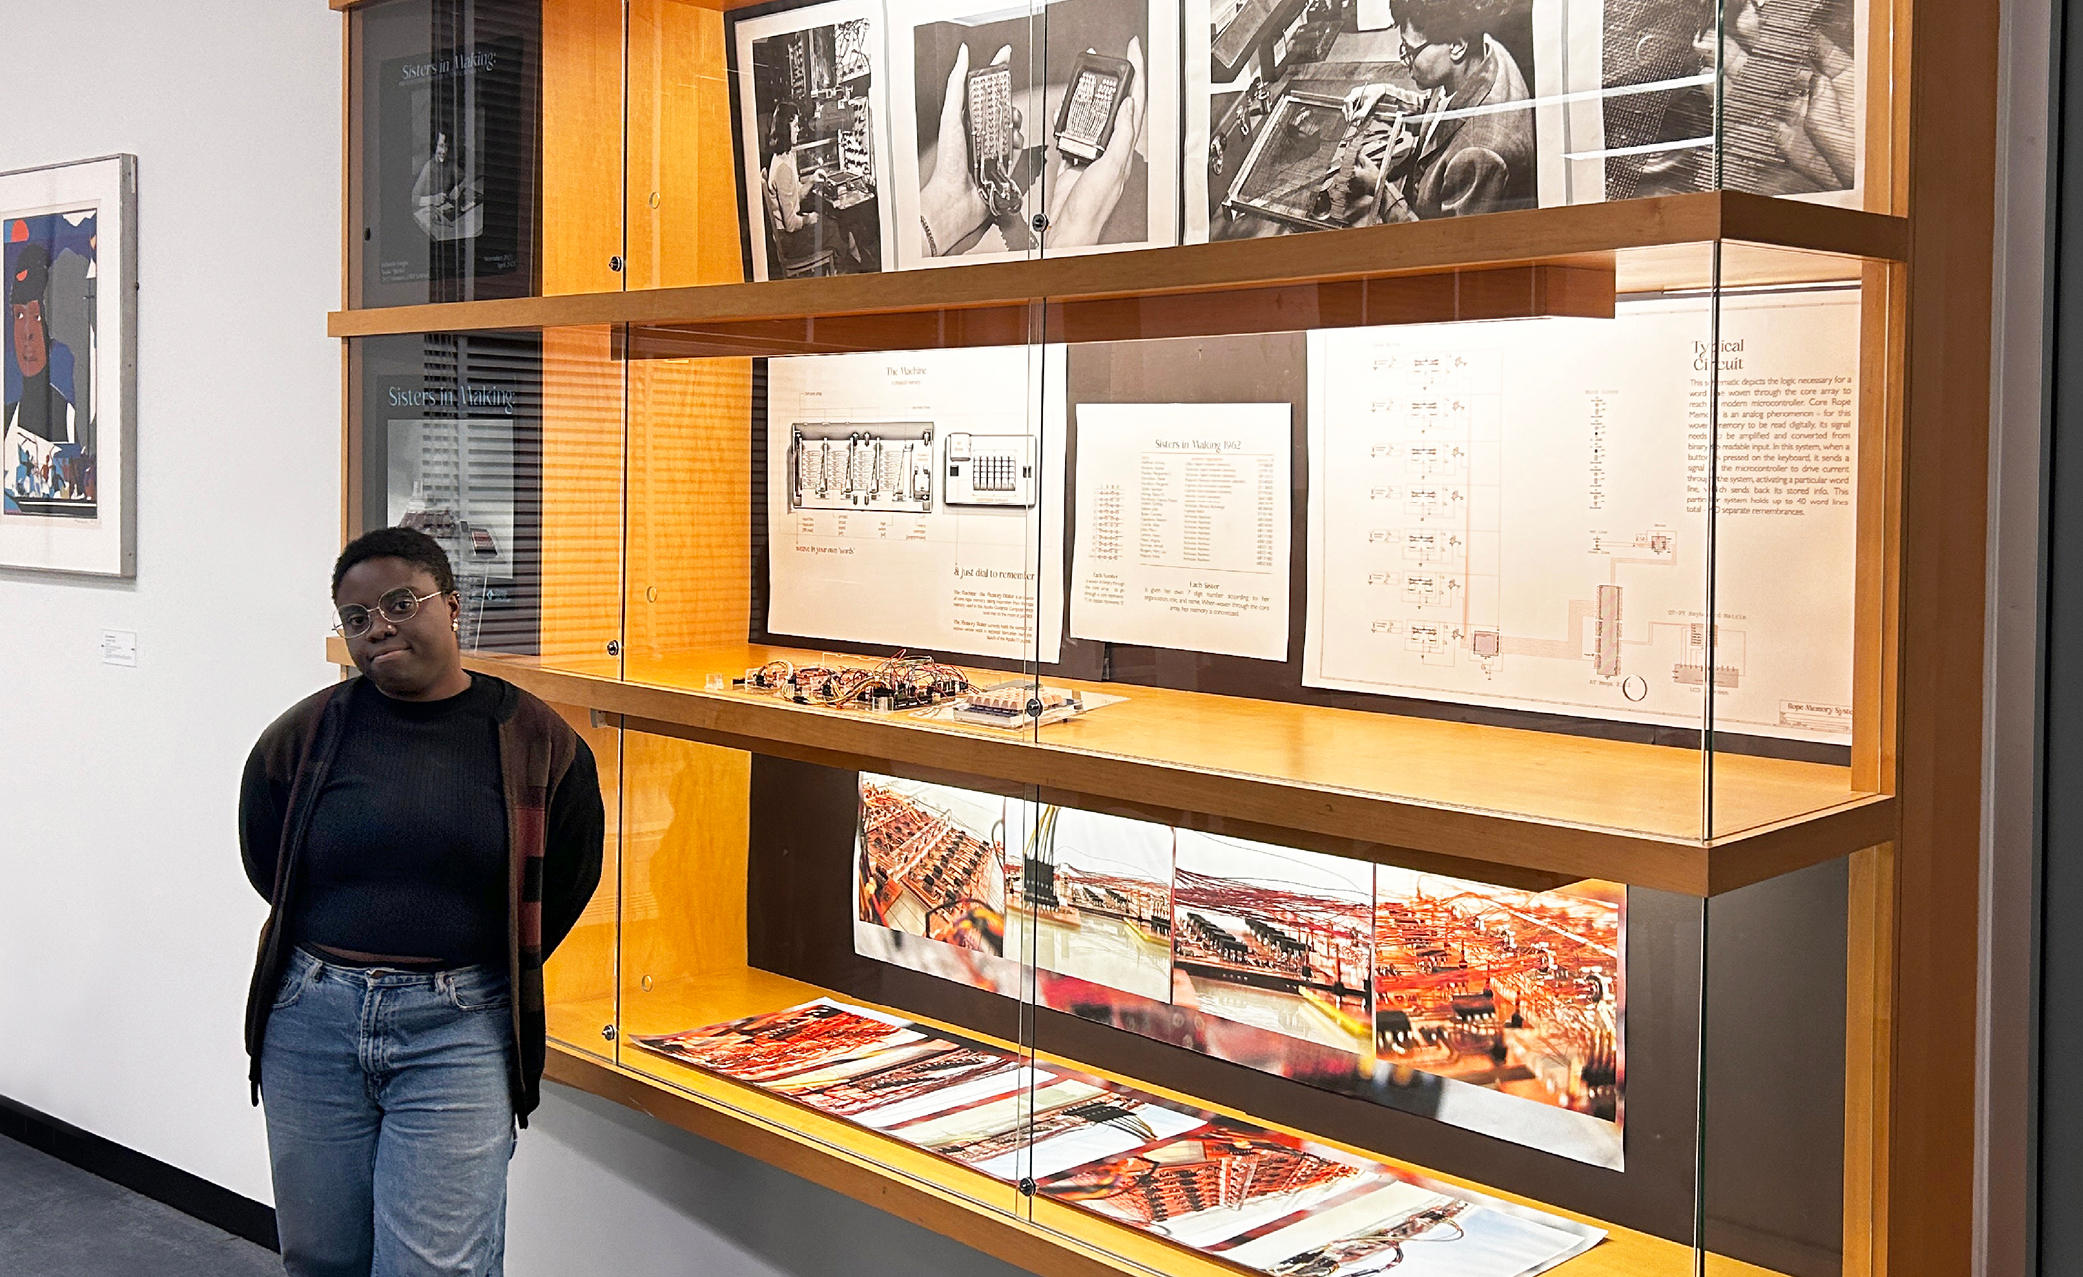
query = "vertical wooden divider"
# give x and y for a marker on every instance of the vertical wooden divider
(1869, 1031)
(1870, 900)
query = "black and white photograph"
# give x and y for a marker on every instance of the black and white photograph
(1640, 116)
(1326, 114)
(1065, 113)
(810, 88)
(451, 188)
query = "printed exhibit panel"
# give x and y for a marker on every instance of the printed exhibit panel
(903, 1083)
(1265, 1200)
(1066, 109)
(452, 446)
(1490, 1008)
(1517, 991)
(1516, 514)
(909, 494)
(1636, 82)
(1322, 115)
(1406, 1228)
(1273, 1203)
(1182, 536)
(812, 131)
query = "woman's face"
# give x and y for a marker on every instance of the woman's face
(403, 658)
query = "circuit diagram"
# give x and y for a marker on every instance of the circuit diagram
(1437, 565)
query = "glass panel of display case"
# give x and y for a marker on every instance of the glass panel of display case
(1799, 453)
(1451, 543)
(446, 159)
(579, 977)
(1142, 124)
(755, 891)
(485, 149)
(846, 543)
(1300, 1060)
(1419, 559)
(1786, 1054)
(507, 449)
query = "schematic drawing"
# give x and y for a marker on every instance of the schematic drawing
(861, 466)
(923, 874)
(1434, 554)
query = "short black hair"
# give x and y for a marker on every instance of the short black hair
(32, 275)
(409, 544)
(1445, 21)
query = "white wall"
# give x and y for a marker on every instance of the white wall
(126, 925)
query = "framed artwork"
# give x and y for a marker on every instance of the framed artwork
(68, 250)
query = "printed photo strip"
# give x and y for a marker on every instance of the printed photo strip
(1261, 1199)
(1361, 979)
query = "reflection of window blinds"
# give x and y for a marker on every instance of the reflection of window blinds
(487, 468)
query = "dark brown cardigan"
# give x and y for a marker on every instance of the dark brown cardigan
(554, 828)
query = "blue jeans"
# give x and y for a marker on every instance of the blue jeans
(389, 1120)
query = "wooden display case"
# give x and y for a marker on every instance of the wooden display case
(633, 579)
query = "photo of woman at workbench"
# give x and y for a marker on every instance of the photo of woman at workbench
(809, 138)
(1319, 124)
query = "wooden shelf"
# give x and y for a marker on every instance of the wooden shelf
(1533, 262)
(1525, 808)
(953, 1200)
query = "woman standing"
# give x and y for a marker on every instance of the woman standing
(425, 837)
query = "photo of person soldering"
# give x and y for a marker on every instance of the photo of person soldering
(1318, 124)
(1035, 137)
(809, 135)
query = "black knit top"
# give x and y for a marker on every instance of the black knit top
(407, 852)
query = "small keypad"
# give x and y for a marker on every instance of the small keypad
(995, 474)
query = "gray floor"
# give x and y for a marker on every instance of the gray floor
(59, 1221)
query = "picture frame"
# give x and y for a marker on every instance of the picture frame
(68, 456)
